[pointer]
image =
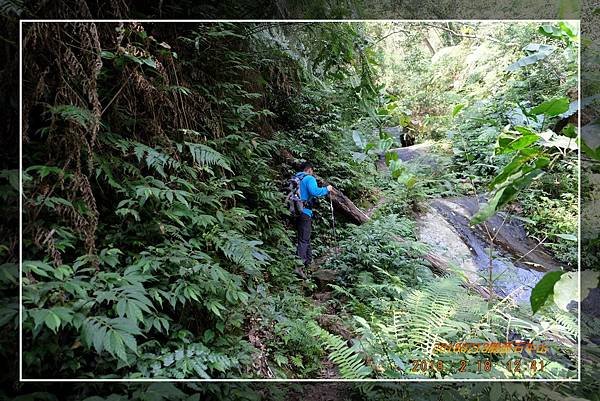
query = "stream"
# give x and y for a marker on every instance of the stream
(517, 261)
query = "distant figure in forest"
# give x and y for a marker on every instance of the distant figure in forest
(305, 190)
(407, 139)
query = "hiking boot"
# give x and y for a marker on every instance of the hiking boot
(300, 272)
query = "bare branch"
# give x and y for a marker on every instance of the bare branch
(461, 35)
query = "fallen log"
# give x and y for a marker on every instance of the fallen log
(343, 204)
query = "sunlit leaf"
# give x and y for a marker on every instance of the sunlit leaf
(457, 109)
(566, 290)
(552, 107)
(543, 290)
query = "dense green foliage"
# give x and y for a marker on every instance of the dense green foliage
(178, 210)
(156, 243)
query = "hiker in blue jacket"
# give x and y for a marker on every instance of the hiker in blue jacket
(309, 190)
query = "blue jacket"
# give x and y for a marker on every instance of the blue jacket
(309, 189)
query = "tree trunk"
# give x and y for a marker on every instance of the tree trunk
(342, 203)
(429, 45)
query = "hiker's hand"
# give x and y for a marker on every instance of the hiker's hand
(330, 188)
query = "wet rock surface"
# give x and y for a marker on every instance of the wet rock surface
(416, 153)
(508, 232)
(518, 262)
(591, 305)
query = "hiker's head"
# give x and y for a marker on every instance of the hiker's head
(307, 167)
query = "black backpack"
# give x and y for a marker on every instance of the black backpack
(292, 200)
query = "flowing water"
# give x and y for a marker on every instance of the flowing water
(517, 261)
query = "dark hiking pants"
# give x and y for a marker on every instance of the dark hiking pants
(303, 226)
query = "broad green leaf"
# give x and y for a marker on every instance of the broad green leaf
(150, 62)
(519, 166)
(549, 30)
(389, 156)
(39, 315)
(358, 140)
(457, 109)
(543, 290)
(107, 55)
(567, 29)
(525, 130)
(384, 144)
(52, 321)
(63, 271)
(570, 131)
(133, 58)
(63, 313)
(509, 191)
(134, 312)
(566, 290)
(488, 209)
(552, 107)
(568, 237)
(38, 267)
(508, 143)
(126, 325)
(98, 335)
(115, 345)
(396, 168)
(541, 162)
(121, 307)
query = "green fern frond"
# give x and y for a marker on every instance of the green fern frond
(351, 364)
(206, 156)
(242, 251)
(563, 322)
(68, 112)
(435, 313)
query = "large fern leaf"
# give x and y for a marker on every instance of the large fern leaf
(351, 364)
(206, 156)
(435, 313)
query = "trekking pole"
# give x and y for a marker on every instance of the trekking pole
(333, 224)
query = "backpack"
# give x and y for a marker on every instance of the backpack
(292, 200)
